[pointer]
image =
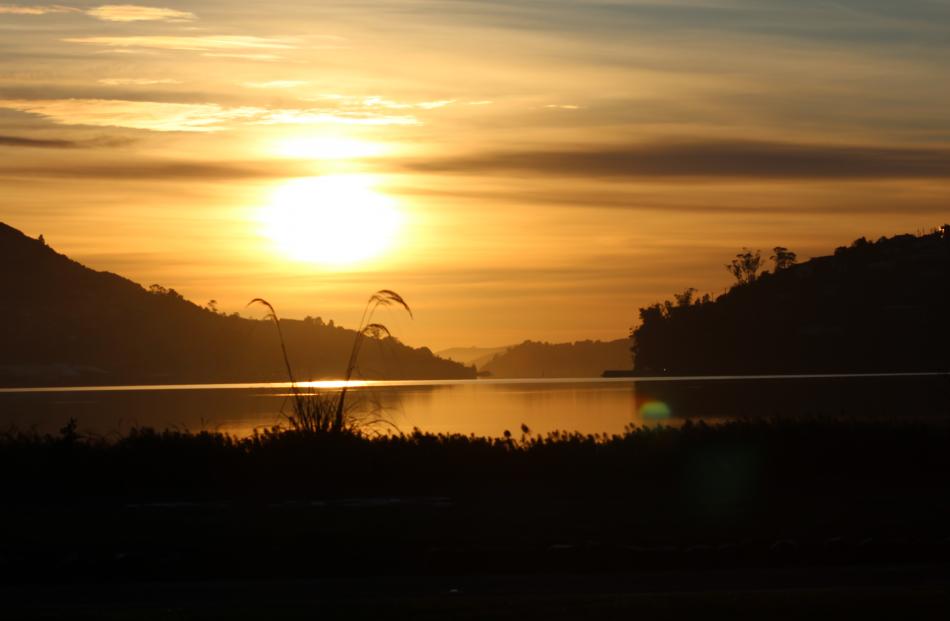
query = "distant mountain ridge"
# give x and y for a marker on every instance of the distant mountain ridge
(62, 323)
(578, 359)
(472, 356)
(879, 306)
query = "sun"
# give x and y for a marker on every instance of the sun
(333, 220)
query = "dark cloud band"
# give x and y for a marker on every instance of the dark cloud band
(716, 159)
(104, 142)
(20, 141)
(164, 171)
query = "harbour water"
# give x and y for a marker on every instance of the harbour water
(486, 407)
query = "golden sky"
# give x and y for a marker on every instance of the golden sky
(515, 169)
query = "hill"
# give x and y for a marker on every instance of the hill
(879, 306)
(580, 359)
(62, 323)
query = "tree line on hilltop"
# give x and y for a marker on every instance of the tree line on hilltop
(871, 307)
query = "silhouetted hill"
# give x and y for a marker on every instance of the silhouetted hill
(580, 359)
(63, 323)
(871, 307)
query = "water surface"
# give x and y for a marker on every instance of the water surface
(488, 407)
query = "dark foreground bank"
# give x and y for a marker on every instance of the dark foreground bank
(745, 508)
(905, 592)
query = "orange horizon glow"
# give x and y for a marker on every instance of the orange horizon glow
(512, 182)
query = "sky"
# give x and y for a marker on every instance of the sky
(515, 169)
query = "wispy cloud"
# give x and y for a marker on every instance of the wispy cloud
(136, 81)
(135, 13)
(198, 43)
(275, 84)
(190, 117)
(12, 9)
(106, 12)
(150, 115)
(242, 56)
(381, 102)
(711, 159)
(361, 110)
(318, 116)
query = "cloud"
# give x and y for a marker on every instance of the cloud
(7, 9)
(609, 196)
(150, 115)
(275, 84)
(135, 13)
(350, 110)
(41, 143)
(62, 143)
(200, 43)
(380, 102)
(190, 117)
(711, 159)
(136, 81)
(260, 57)
(169, 170)
(316, 116)
(432, 105)
(371, 102)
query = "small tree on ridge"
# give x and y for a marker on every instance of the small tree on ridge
(783, 258)
(745, 267)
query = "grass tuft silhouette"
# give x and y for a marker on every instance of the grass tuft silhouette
(323, 411)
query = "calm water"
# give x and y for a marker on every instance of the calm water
(489, 407)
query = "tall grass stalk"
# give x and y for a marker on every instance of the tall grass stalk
(383, 297)
(318, 412)
(272, 315)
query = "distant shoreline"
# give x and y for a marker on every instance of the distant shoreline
(608, 376)
(622, 374)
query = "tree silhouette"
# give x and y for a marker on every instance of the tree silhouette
(869, 307)
(783, 258)
(745, 267)
(685, 298)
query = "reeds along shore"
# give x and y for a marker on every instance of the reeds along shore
(734, 462)
(163, 505)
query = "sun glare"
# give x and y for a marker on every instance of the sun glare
(331, 220)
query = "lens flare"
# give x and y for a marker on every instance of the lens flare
(654, 411)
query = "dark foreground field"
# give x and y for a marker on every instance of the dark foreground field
(771, 518)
